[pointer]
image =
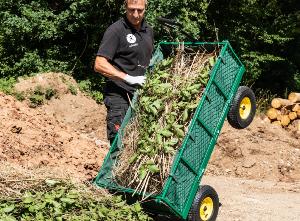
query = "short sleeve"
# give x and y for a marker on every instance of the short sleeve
(109, 44)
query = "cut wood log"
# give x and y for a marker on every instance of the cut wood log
(293, 115)
(276, 123)
(279, 102)
(279, 116)
(296, 125)
(285, 120)
(272, 113)
(294, 97)
(298, 113)
(296, 107)
(286, 110)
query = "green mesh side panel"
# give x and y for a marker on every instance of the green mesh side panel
(192, 158)
(199, 142)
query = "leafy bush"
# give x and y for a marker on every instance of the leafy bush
(72, 89)
(41, 35)
(7, 85)
(50, 92)
(20, 96)
(93, 87)
(36, 100)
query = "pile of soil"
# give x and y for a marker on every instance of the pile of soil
(262, 151)
(65, 134)
(68, 134)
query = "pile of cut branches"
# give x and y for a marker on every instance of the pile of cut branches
(163, 112)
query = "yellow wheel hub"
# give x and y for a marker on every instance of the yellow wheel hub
(206, 208)
(245, 108)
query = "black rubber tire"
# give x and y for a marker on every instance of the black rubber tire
(233, 116)
(203, 192)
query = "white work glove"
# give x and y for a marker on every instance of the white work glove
(139, 80)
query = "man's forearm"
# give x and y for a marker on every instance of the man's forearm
(105, 68)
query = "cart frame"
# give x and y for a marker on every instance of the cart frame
(192, 157)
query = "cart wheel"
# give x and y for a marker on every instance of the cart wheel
(242, 108)
(205, 206)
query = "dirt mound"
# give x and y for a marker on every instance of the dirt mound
(261, 151)
(60, 82)
(65, 133)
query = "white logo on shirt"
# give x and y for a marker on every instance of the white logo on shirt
(131, 38)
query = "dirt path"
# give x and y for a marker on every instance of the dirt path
(247, 200)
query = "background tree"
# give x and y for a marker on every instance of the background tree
(64, 35)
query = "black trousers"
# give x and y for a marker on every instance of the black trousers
(117, 102)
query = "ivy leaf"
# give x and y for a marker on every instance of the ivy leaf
(157, 104)
(27, 199)
(179, 132)
(166, 133)
(50, 182)
(173, 141)
(185, 115)
(168, 149)
(9, 218)
(9, 208)
(153, 168)
(133, 158)
(67, 200)
(159, 139)
(137, 207)
(211, 61)
(153, 110)
(142, 173)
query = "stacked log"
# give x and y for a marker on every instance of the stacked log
(285, 111)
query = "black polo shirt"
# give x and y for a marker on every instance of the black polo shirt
(127, 49)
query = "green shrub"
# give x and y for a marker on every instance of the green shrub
(50, 92)
(41, 35)
(39, 90)
(97, 96)
(72, 89)
(93, 87)
(20, 96)
(36, 100)
(7, 85)
(85, 86)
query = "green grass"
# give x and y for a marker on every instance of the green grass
(263, 100)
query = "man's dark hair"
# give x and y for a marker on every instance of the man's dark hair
(146, 2)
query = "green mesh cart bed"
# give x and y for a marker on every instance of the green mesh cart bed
(182, 195)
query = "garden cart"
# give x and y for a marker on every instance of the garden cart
(222, 98)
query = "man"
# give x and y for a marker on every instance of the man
(123, 57)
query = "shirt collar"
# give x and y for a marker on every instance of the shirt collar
(127, 24)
